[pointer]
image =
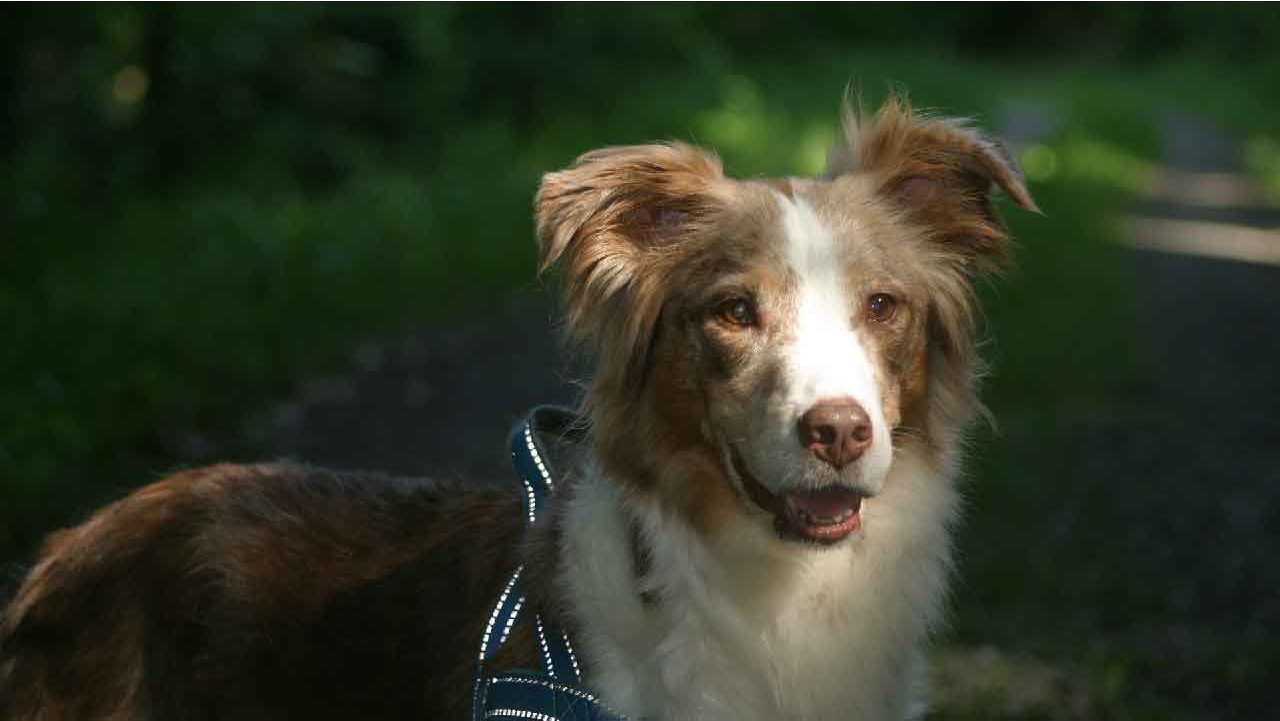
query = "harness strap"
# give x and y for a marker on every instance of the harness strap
(504, 616)
(558, 658)
(553, 694)
(521, 695)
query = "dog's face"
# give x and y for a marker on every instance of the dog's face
(804, 348)
(764, 346)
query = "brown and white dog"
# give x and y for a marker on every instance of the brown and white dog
(757, 530)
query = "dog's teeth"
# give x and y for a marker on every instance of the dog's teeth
(813, 520)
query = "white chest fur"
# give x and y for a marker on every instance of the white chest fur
(750, 627)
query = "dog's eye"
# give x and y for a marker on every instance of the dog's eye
(881, 307)
(737, 311)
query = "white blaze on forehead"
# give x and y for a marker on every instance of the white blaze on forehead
(825, 358)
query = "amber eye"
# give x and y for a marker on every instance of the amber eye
(881, 307)
(737, 311)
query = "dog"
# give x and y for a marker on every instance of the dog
(756, 525)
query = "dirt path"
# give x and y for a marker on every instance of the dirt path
(439, 402)
(1154, 555)
(1205, 532)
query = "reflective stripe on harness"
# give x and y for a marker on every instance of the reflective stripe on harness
(554, 694)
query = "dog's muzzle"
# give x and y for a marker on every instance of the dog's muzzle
(823, 515)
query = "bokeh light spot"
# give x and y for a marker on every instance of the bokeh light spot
(815, 144)
(130, 85)
(1039, 162)
(1262, 157)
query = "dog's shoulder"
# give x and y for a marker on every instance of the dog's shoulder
(248, 587)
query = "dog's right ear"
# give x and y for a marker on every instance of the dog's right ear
(614, 220)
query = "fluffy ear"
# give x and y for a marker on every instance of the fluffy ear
(614, 221)
(938, 170)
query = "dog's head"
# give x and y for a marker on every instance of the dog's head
(770, 344)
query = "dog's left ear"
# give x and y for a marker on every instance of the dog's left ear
(940, 172)
(614, 221)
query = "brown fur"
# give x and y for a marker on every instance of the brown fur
(613, 220)
(262, 592)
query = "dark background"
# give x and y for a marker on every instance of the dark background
(254, 232)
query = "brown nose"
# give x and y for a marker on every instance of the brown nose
(836, 430)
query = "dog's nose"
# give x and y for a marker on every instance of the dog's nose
(837, 430)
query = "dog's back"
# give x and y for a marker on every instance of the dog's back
(273, 591)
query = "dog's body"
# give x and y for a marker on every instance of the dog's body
(757, 527)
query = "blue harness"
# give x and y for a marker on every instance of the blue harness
(555, 693)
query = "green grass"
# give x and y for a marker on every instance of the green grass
(185, 307)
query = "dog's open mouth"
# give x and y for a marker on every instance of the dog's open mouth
(823, 515)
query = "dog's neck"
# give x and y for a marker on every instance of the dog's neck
(677, 624)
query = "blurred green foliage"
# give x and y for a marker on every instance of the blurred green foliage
(201, 203)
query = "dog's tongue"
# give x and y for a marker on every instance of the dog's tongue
(827, 502)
